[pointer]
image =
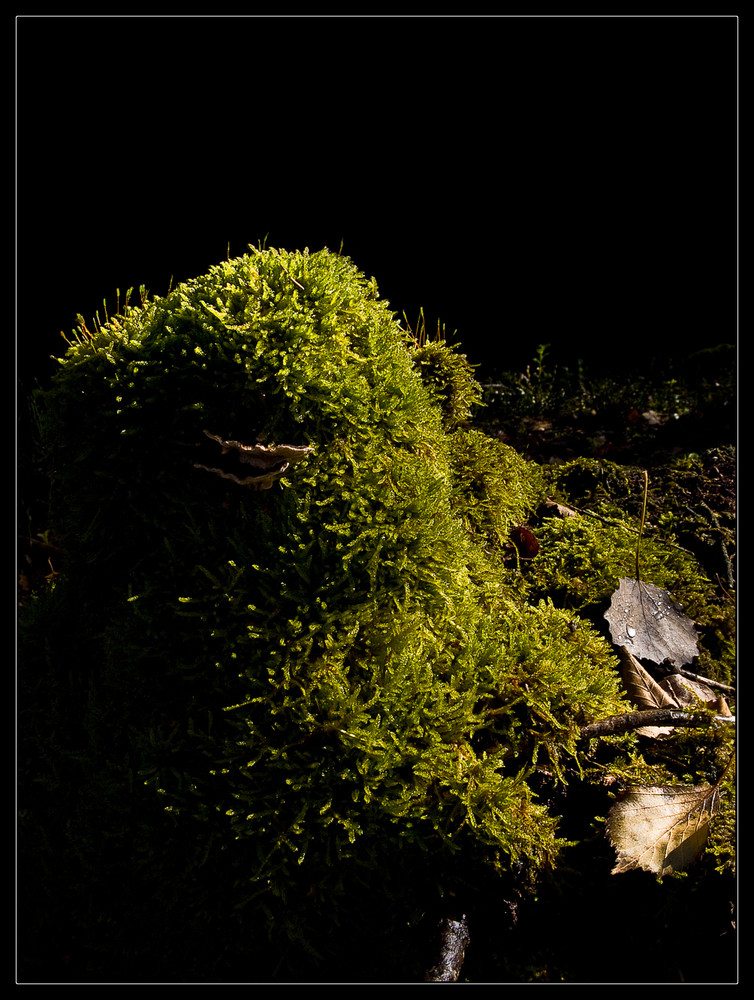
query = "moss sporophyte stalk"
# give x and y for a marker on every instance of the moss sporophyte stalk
(293, 653)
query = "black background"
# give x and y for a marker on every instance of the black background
(523, 180)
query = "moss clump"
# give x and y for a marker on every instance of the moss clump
(328, 673)
(306, 710)
(496, 488)
(449, 376)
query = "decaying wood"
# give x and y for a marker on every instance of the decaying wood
(454, 940)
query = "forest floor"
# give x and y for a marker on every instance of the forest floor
(679, 423)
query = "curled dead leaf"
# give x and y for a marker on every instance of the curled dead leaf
(644, 692)
(265, 463)
(723, 708)
(688, 692)
(673, 691)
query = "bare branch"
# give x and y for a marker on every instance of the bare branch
(717, 685)
(617, 724)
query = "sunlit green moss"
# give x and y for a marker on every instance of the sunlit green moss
(339, 689)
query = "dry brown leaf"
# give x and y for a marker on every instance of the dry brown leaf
(646, 620)
(688, 692)
(723, 707)
(661, 829)
(552, 509)
(644, 691)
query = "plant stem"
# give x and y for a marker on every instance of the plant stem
(643, 517)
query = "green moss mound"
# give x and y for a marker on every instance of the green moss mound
(303, 710)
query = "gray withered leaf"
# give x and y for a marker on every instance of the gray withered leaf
(645, 620)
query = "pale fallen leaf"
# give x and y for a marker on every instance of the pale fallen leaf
(661, 829)
(646, 621)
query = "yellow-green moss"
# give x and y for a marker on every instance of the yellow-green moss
(335, 692)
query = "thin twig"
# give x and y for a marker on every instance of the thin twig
(296, 283)
(643, 518)
(717, 685)
(617, 724)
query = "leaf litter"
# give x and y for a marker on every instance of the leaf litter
(661, 829)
